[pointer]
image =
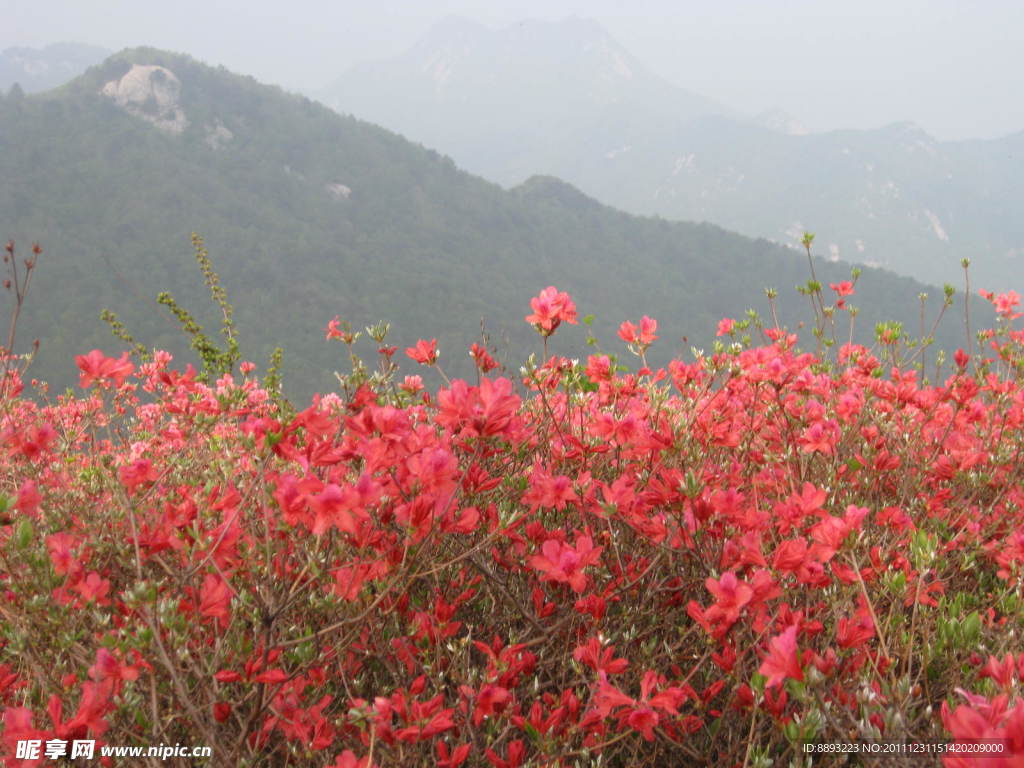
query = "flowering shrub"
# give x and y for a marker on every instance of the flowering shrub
(712, 563)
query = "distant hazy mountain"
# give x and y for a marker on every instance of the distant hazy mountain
(564, 99)
(498, 100)
(308, 215)
(39, 69)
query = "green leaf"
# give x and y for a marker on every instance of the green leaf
(24, 533)
(972, 628)
(532, 732)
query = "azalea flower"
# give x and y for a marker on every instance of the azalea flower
(646, 335)
(782, 661)
(550, 309)
(564, 564)
(95, 366)
(425, 352)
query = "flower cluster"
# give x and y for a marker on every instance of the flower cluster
(714, 562)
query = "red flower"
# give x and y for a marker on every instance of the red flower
(32, 442)
(61, 546)
(138, 472)
(725, 326)
(1004, 303)
(647, 335)
(599, 368)
(844, 288)
(550, 309)
(425, 352)
(782, 661)
(333, 329)
(853, 633)
(790, 555)
(452, 759)
(348, 759)
(215, 599)
(731, 595)
(349, 579)
(482, 358)
(563, 564)
(487, 410)
(412, 384)
(547, 491)
(1000, 671)
(94, 587)
(598, 659)
(274, 676)
(640, 715)
(88, 719)
(820, 436)
(107, 667)
(645, 720)
(97, 367)
(29, 497)
(516, 755)
(491, 700)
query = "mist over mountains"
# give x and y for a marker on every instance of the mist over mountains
(39, 69)
(564, 99)
(309, 214)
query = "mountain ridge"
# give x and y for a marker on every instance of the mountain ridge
(893, 196)
(308, 215)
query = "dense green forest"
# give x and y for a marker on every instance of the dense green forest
(308, 215)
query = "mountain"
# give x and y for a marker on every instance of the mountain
(564, 99)
(308, 215)
(40, 69)
(494, 99)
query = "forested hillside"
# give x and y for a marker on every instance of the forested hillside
(308, 215)
(563, 98)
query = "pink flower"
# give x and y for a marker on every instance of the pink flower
(844, 288)
(550, 309)
(333, 329)
(731, 595)
(425, 352)
(97, 367)
(564, 564)
(725, 326)
(412, 384)
(94, 587)
(782, 660)
(627, 332)
(1004, 303)
(648, 326)
(137, 473)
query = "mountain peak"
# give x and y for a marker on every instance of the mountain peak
(551, 189)
(463, 85)
(780, 121)
(908, 128)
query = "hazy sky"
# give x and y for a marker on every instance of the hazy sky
(953, 66)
